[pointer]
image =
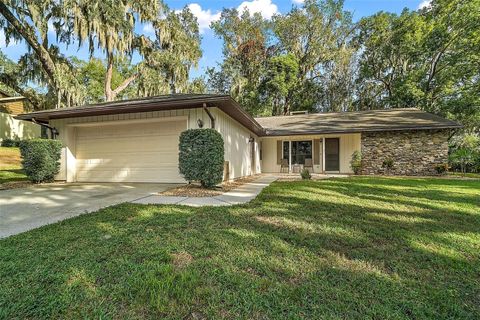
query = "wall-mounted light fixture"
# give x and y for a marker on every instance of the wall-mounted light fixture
(200, 123)
(252, 139)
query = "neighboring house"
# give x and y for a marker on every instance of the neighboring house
(10, 127)
(137, 140)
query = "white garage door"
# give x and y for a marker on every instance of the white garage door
(139, 152)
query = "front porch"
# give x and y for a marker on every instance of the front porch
(320, 154)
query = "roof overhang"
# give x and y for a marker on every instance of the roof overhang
(281, 133)
(222, 102)
(11, 99)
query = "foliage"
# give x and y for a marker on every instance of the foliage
(91, 73)
(10, 143)
(201, 156)
(356, 162)
(102, 26)
(426, 59)
(279, 83)
(293, 62)
(388, 164)
(442, 168)
(41, 159)
(463, 157)
(296, 244)
(305, 174)
(246, 48)
(465, 153)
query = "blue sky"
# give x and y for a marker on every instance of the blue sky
(208, 10)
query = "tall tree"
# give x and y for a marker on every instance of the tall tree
(106, 26)
(317, 36)
(427, 59)
(28, 21)
(246, 48)
(278, 83)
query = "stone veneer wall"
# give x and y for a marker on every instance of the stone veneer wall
(414, 152)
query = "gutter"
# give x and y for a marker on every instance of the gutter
(53, 131)
(212, 118)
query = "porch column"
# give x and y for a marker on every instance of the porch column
(323, 154)
(289, 156)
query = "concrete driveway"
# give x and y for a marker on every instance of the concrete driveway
(29, 208)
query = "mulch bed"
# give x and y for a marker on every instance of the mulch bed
(15, 185)
(196, 190)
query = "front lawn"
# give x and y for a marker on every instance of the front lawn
(342, 248)
(10, 165)
(466, 175)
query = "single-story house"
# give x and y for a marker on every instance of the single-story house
(11, 128)
(137, 140)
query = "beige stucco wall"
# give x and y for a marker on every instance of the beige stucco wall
(348, 144)
(237, 147)
(17, 129)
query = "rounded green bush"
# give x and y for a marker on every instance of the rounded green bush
(201, 156)
(40, 159)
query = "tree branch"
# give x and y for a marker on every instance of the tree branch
(125, 83)
(29, 36)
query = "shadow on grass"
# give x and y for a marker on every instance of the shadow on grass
(356, 248)
(11, 175)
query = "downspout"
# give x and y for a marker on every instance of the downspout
(53, 131)
(212, 118)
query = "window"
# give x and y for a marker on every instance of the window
(285, 149)
(301, 150)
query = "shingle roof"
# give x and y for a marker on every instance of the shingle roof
(362, 121)
(316, 123)
(156, 103)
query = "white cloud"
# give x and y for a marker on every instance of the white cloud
(265, 7)
(148, 28)
(298, 1)
(204, 17)
(425, 4)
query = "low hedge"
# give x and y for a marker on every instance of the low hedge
(41, 159)
(10, 143)
(201, 156)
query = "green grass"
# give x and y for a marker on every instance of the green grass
(466, 175)
(343, 248)
(10, 166)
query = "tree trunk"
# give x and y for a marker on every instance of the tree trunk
(29, 36)
(109, 94)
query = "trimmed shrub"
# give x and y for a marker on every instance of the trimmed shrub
(388, 165)
(40, 159)
(356, 162)
(441, 168)
(10, 143)
(305, 174)
(201, 156)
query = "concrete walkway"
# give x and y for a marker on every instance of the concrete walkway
(29, 208)
(242, 194)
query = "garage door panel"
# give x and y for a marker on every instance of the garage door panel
(127, 145)
(128, 159)
(127, 175)
(142, 152)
